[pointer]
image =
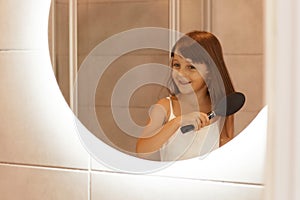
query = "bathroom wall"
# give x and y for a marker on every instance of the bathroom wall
(41, 156)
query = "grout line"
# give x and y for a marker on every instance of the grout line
(19, 50)
(177, 177)
(89, 170)
(43, 167)
(116, 172)
(211, 180)
(90, 179)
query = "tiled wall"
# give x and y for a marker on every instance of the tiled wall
(41, 156)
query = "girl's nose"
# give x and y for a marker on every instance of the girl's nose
(182, 72)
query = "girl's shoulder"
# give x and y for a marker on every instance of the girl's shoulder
(166, 102)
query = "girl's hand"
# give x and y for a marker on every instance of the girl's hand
(197, 119)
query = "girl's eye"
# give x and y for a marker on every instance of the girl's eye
(176, 65)
(191, 67)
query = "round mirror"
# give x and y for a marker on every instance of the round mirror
(111, 67)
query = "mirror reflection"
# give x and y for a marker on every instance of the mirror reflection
(96, 20)
(199, 79)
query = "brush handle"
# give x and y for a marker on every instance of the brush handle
(188, 128)
(211, 115)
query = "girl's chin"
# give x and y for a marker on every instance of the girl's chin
(186, 90)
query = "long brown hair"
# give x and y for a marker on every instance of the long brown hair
(204, 47)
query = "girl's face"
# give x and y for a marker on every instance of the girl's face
(187, 76)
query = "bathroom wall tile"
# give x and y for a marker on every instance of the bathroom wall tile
(84, 115)
(140, 115)
(62, 75)
(247, 73)
(191, 15)
(124, 186)
(242, 120)
(26, 183)
(62, 29)
(103, 21)
(82, 27)
(119, 68)
(24, 27)
(37, 126)
(116, 134)
(83, 2)
(147, 95)
(239, 25)
(65, 1)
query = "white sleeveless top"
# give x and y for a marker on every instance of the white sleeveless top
(191, 144)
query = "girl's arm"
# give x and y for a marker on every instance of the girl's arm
(159, 129)
(228, 130)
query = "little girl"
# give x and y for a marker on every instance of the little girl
(199, 79)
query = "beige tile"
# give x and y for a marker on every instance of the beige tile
(124, 186)
(64, 1)
(103, 22)
(88, 77)
(37, 127)
(242, 120)
(247, 73)
(83, 1)
(62, 75)
(139, 115)
(119, 68)
(27, 183)
(239, 25)
(118, 138)
(147, 95)
(61, 29)
(25, 26)
(82, 27)
(191, 15)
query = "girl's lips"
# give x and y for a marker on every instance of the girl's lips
(184, 82)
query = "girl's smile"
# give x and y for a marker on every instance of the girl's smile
(186, 76)
(183, 81)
